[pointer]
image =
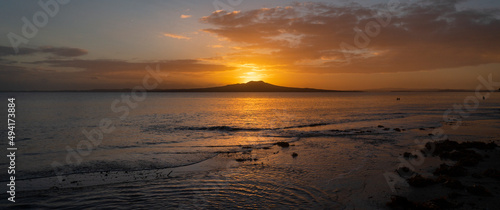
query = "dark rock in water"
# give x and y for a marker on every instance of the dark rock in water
(449, 146)
(294, 155)
(454, 184)
(282, 144)
(380, 126)
(476, 175)
(438, 203)
(441, 146)
(409, 155)
(479, 145)
(464, 157)
(243, 159)
(266, 147)
(420, 181)
(400, 202)
(454, 195)
(492, 173)
(459, 151)
(386, 129)
(469, 161)
(450, 182)
(478, 190)
(453, 171)
(397, 129)
(405, 171)
(422, 129)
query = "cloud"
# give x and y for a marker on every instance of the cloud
(7, 51)
(325, 38)
(215, 46)
(91, 74)
(106, 66)
(175, 36)
(185, 16)
(64, 51)
(57, 51)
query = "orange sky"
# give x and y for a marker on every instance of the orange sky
(329, 45)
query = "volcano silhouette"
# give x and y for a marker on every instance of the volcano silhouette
(252, 86)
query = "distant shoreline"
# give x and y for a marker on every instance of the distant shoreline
(192, 91)
(256, 87)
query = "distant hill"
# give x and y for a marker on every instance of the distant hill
(252, 86)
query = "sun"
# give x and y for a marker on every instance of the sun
(251, 72)
(251, 76)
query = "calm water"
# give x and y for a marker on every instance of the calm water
(168, 130)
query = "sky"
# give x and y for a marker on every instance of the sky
(338, 44)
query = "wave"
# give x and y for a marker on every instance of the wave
(107, 166)
(221, 128)
(229, 128)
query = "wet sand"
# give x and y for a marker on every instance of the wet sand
(343, 172)
(349, 172)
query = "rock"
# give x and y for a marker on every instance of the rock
(492, 173)
(294, 155)
(448, 146)
(438, 203)
(404, 171)
(380, 126)
(400, 202)
(454, 195)
(397, 129)
(453, 171)
(441, 146)
(243, 159)
(408, 155)
(478, 190)
(453, 184)
(460, 152)
(420, 181)
(479, 145)
(282, 144)
(464, 157)
(450, 183)
(476, 175)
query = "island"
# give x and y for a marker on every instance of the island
(252, 86)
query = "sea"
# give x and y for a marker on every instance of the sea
(123, 150)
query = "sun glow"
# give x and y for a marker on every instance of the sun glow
(251, 72)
